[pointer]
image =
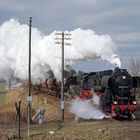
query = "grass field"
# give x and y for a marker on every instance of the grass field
(2, 89)
(3, 94)
(53, 129)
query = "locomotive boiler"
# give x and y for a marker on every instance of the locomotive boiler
(114, 87)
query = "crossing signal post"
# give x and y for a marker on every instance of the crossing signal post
(18, 115)
(60, 39)
(18, 111)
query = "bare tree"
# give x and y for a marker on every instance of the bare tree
(134, 66)
(12, 80)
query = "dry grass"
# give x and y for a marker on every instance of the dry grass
(138, 95)
(8, 111)
(69, 130)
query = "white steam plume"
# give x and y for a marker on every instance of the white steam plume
(46, 54)
(87, 109)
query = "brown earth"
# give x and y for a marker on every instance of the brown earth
(70, 129)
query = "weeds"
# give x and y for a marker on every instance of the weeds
(8, 111)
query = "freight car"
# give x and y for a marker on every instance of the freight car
(114, 87)
(51, 87)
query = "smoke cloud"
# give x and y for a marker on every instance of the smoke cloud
(46, 55)
(87, 109)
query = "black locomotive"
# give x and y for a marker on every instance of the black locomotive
(114, 87)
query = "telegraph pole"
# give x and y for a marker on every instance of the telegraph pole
(29, 98)
(62, 88)
(62, 42)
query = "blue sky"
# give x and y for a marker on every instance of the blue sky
(118, 18)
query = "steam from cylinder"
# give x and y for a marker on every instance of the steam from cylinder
(87, 109)
(46, 55)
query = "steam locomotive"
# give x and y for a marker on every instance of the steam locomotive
(116, 89)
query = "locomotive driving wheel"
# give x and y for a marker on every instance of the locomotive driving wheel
(105, 102)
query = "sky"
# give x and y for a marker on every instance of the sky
(118, 18)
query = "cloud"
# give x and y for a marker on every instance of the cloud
(13, 6)
(127, 45)
(111, 14)
(115, 18)
(127, 37)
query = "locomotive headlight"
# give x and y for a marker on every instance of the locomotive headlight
(134, 102)
(115, 102)
(123, 77)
